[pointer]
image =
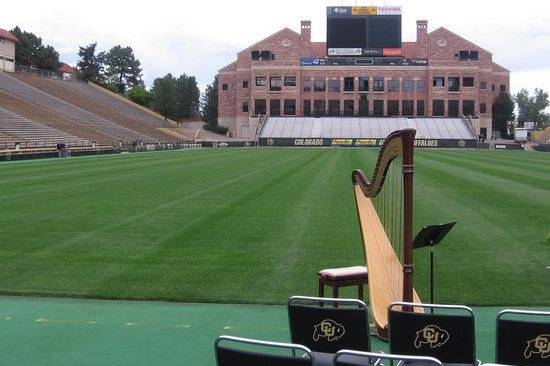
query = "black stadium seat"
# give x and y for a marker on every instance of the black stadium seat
(449, 337)
(370, 358)
(230, 352)
(523, 338)
(325, 329)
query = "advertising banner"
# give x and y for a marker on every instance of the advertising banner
(338, 11)
(364, 10)
(365, 142)
(391, 51)
(345, 51)
(309, 61)
(389, 10)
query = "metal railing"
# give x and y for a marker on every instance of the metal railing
(38, 72)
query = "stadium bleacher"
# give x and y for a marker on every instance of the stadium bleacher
(58, 89)
(339, 127)
(26, 130)
(47, 101)
(50, 118)
(113, 103)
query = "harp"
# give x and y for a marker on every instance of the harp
(385, 208)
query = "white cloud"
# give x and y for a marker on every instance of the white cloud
(198, 38)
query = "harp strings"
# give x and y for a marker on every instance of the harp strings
(389, 206)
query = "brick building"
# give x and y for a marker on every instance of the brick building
(286, 74)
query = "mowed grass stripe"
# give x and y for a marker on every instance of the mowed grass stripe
(254, 225)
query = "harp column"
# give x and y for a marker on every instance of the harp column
(408, 171)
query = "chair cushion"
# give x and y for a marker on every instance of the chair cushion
(346, 273)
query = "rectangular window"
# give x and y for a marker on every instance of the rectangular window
(420, 85)
(319, 85)
(468, 108)
(290, 81)
(453, 84)
(306, 83)
(245, 107)
(348, 107)
(393, 85)
(502, 88)
(275, 84)
(363, 84)
(393, 108)
(255, 55)
(468, 82)
(275, 107)
(453, 108)
(290, 107)
(334, 85)
(378, 108)
(407, 107)
(259, 106)
(482, 108)
(482, 85)
(363, 105)
(224, 86)
(266, 56)
(319, 107)
(493, 87)
(307, 108)
(464, 55)
(438, 82)
(245, 84)
(378, 84)
(349, 84)
(333, 107)
(408, 86)
(420, 108)
(261, 81)
(438, 108)
(474, 55)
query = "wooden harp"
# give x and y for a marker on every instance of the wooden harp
(385, 209)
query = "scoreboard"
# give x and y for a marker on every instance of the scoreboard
(364, 31)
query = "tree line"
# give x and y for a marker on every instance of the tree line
(531, 108)
(119, 70)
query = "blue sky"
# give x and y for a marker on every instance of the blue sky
(199, 38)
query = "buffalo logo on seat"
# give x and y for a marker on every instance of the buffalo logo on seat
(538, 346)
(432, 335)
(328, 329)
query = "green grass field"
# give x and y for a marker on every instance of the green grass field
(254, 225)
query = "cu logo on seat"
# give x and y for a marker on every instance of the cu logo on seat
(432, 335)
(328, 329)
(538, 346)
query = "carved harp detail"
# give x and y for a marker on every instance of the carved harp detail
(385, 208)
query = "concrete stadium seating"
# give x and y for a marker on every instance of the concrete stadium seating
(58, 89)
(341, 127)
(44, 100)
(50, 118)
(113, 103)
(24, 129)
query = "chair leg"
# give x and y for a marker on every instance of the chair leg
(321, 288)
(335, 294)
(360, 292)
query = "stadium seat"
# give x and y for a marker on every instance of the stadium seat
(234, 351)
(523, 337)
(447, 333)
(327, 329)
(370, 358)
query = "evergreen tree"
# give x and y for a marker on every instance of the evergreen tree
(123, 68)
(47, 58)
(31, 52)
(90, 66)
(164, 98)
(138, 94)
(188, 96)
(503, 112)
(210, 102)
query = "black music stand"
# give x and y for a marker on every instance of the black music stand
(430, 236)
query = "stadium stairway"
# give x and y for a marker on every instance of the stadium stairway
(29, 93)
(59, 90)
(26, 130)
(49, 118)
